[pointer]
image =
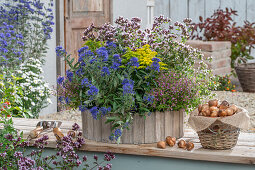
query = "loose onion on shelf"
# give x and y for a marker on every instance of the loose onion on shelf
(216, 109)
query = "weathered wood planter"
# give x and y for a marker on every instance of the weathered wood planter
(152, 129)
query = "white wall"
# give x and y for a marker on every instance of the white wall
(129, 9)
(50, 70)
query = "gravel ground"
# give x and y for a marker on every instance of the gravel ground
(242, 99)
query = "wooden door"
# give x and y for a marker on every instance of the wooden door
(79, 14)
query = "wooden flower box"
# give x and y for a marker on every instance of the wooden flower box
(150, 130)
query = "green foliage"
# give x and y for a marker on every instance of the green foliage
(221, 27)
(11, 93)
(224, 83)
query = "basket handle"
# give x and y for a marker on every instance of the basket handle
(241, 59)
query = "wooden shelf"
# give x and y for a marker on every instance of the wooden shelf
(243, 152)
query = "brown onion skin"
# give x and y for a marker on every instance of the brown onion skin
(206, 113)
(229, 111)
(161, 144)
(170, 141)
(199, 108)
(182, 144)
(214, 109)
(214, 114)
(222, 113)
(225, 103)
(213, 103)
(234, 107)
(223, 107)
(190, 146)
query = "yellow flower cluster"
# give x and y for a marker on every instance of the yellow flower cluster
(144, 55)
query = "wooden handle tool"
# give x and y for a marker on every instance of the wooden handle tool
(35, 133)
(57, 131)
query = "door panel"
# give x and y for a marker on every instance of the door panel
(79, 14)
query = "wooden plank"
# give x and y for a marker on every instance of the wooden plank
(160, 130)
(89, 125)
(150, 129)
(168, 123)
(97, 128)
(240, 7)
(181, 123)
(227, 4)
(243, 153)
(138, 129)
(162, 8)
(196, 9)
(106, 130)
(176, 127)
(128, 135)
(211, 6)
(178, 10)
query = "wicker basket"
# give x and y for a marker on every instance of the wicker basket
(246, 75)
(219, 136)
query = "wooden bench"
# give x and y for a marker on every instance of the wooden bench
(242, 153)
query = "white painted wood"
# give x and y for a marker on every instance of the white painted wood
(251, 18)
(211, 6)
(240, 7)
(178, 10)
(196, 9)
(227, 4)
(162, 8)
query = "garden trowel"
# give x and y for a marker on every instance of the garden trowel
(57, 132)
(42, 125)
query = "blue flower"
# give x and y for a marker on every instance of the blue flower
(117, 133)
(92, 61)
(115, 65)
(104, 110)
(67, 100)
(134, 62)
(128, 86)
(60, 80)
(61, 98)
(80, 59)
(83, 49)
(111, 44)
(111, 137)
(148, 98)
(102, 53)
(85, 82)
(82, 108)
(156, 59)
(69, 75)
(125, 81)
(85, 52)
(116, 58)
(93, 91)
(79, 72)
(105, 71)
(155, 65)
(94, 112)
(60, 51)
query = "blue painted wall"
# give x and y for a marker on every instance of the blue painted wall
(133, 162)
